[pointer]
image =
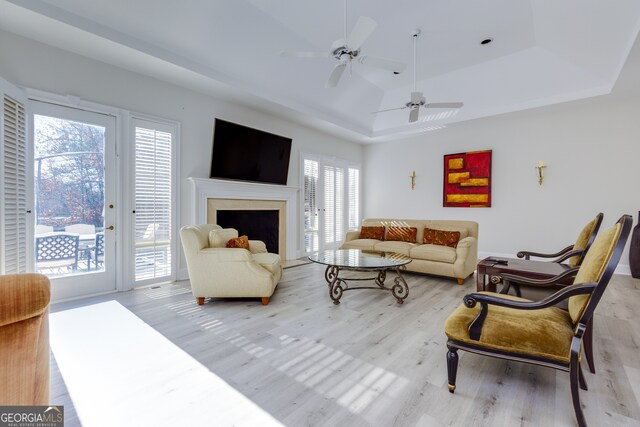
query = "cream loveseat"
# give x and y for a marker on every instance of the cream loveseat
(218, 271)
(458, 262)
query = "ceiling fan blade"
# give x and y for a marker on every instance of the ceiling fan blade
(305, 54)
(334, 78)
(361, 32)
(445, 105)
(413, 115)
(416, 97)
(385, 64)
(389, 109)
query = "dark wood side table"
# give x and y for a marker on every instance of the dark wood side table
(530, 269)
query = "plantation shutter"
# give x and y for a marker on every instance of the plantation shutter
(311, 222)
(153, 201)
(13, 190)
(334, 198)
(354, 198)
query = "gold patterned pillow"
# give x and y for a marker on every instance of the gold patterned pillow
(402, 234)
(239, 242)
(372, 232)
(441, 237)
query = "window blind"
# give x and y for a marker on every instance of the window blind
(153, 199)
(334, 198)
(354, 198)
(310, 206)
(13, 213)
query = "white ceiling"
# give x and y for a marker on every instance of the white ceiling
(543, 52)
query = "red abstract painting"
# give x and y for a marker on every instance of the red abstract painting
(467, 180)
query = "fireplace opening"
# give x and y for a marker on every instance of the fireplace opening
(256, 224)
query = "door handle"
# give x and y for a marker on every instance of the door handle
(109, 227)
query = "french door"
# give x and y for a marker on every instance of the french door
(331, 202)
(74, 162)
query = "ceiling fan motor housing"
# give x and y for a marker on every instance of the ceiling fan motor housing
(340, 51)
(417, 104)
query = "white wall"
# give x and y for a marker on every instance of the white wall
(38, 66)
(591, 147)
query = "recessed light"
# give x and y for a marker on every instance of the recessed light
(486, 41)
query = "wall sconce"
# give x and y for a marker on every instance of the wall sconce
(413, 180)
(540, 166)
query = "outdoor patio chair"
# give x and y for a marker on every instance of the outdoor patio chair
(57, 252)
(98, 251)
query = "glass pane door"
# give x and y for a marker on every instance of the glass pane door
(311, 209)
(334, 197)
(74, 205)
(154, 144)
(331, 192)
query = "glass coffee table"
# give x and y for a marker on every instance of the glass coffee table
(367, 261)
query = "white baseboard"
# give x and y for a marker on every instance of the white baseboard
(621, 269)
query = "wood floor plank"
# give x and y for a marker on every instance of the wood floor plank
(370, 361)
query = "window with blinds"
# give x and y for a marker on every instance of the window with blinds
(311, 222)
(333, 204)
(354, 198)
(153, 201)
(13, 191)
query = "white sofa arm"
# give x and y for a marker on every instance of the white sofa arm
(257, 247)
(225, 254)
(466, 243)
(466, 257)
(352, 235)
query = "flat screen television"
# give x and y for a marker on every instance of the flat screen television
(245, 154)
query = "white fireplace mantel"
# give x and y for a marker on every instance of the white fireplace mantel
(204, 189)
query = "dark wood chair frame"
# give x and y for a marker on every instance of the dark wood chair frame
(595, 289)
(567, 252)
(513, 281)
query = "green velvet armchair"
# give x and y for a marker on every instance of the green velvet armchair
(538, 289)
(538, 332)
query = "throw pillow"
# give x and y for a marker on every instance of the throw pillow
(239, 242)
(372, 232)
(402, 234)
(441, 237)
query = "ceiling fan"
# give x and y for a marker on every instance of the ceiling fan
(347, 49)
(417, 99)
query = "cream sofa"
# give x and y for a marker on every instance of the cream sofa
(218, 271)
(459, 262)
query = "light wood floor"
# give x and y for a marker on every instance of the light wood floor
(370, 361)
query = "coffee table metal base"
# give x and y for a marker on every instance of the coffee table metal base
(338, 285)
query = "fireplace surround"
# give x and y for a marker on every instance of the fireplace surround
(210, 195)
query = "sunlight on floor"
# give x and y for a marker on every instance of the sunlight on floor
(351, 382)
(120, 371)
